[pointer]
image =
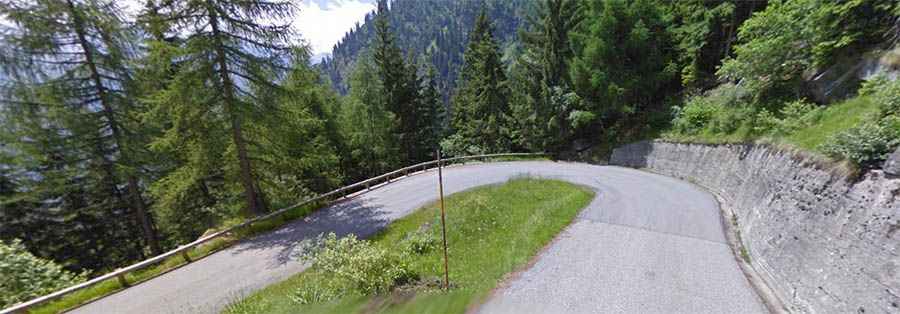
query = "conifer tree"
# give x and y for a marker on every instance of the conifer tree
(624, 66)
(545, 75)
(432, 115)
(480, 104)
(228, 46)
(79, 50)
(400, 85)
(367, 124)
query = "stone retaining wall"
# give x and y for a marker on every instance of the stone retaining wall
(824, 242)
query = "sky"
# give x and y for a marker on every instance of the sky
(321, 23)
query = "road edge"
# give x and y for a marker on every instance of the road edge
(770, 300)
(511, 276)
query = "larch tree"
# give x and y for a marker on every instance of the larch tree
(78, 52)
(227, 47)
(367, 125)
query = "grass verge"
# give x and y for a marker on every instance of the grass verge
(831, 120)
(111, 286)
(492, 231)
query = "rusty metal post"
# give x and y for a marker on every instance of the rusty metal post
(122, 281)
(443, 220)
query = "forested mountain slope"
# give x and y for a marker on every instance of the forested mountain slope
(433, 31)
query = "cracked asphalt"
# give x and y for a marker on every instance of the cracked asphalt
(646, 244)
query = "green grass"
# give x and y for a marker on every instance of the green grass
(834, 119)
(492, 231)
(111, 286)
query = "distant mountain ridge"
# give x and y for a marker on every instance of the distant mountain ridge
(431, 31)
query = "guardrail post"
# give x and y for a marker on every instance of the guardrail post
(122, 280)
(184, 254)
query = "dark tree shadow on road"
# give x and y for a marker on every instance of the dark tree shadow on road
(345, 217)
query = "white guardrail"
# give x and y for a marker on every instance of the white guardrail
(340, 193)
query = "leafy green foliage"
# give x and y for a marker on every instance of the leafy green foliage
(232, 53)
(866, 145)
(359, 265)
(870, 143)
(367, 125)
(24, 276)
(789, 38)
(420, 241)
(721, 111)
(415, 112)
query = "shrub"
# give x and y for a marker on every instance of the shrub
(794, 116)
(873, 84)
(420, 242)
(727, 120)
(317, 292)
(695, 116)
(723, 110)
(457, 145)
(358, 265)
(24, 276)
(766, 122)
(888, 98)
(866, 145)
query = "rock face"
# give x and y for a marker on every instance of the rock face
(822, 241)
(843, 78)
(892, 164)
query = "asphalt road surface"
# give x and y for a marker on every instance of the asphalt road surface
(645, 244)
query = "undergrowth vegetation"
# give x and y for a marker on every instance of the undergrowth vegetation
(24, 276)
(863, 129)
(491, 231)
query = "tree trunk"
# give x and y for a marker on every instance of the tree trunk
(137, 202)
(251, 195)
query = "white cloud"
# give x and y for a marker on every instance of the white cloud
(324, 26)
(322, 23)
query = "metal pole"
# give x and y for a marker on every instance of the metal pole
(443, 220)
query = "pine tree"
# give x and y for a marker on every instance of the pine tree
(480, 104)
(80, 50)
(227, 46)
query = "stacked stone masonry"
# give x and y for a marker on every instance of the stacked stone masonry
(824, 242)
